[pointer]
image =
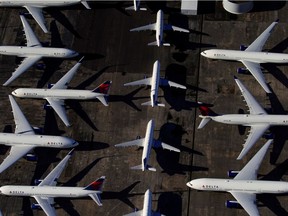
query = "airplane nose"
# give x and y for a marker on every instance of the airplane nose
(189, 184)
(203, 53)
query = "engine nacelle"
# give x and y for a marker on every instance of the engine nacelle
(45, 43)
(268, 136)
(40, 66)
(232, 173)
(31, 157)
(232, 204)
(47, 106)
(243, 71)
(37, 181)
(243, 47)
(50, 85)
(35, 206)
(38, 130)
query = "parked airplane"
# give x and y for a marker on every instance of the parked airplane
(147, 144)
(245, 185)
(24, 139)
(136, 6)
(147, 205)
(258, 119)
(159, 27)
(33, 52)
(46, 191)
(251, 56)
(35, 7)
(154, 82)
(59, 92)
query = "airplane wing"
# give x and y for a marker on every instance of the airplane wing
(22, 125)
(146, 81)
(158, 144)
(64, 81)
(25, 64)
(165, 82)
(52, 177)
(16, 152)
(256, 132)
(45, 204)
(37, 14)
(254, 106)
(32, 40)
(144, 28)
(256, 71)
(247, 201)
(137, 213)
(249, 172)
(137, 142)
(175, 28)
(58, 106)
(258, 44)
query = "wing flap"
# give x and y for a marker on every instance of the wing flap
(247, 201)
(37, 14)
(256, 132)
(32, 40)
(26, 63)
(253, 105)
(16, 152)
(45, 205)
(58, 106)
(137, 142)
(51, 178)
(22, 124)
(249, 172)
(258, 44)
(256, 71)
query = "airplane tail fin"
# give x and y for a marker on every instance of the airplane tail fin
(86, 5)
(206, 111)
(103, 88)
(149, 103)
(96, 185)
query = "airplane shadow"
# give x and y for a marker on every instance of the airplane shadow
(51, 64)
(277, 73)
(170, 204)
(171, 134)
(267, 6)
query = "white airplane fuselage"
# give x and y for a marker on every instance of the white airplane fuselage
(23, 51)
(45, 191)
(38, 3)
(248, 119)
(238, 55)
(10, 139)
(155, 83)
(147, 205)
(147, 144)
(245, 186)
(56, 93)
(159, 27)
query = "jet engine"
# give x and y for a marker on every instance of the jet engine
(35, 206)
(232, 204)
(40, 66)
(243, 47)
(243, 71)
(31, 157)
(232, 173)
(37, 181)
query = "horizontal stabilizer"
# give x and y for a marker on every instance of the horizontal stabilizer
(150, 168)
(138, 167)
(204, 121)
(96, 197)
(149, 103)
(133, 8)
(153, 43)
(103, 100)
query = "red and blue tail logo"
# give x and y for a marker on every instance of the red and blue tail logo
(103, 88)
(96, 185)
(206, 111)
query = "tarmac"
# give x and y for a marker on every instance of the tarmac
(113, 53)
